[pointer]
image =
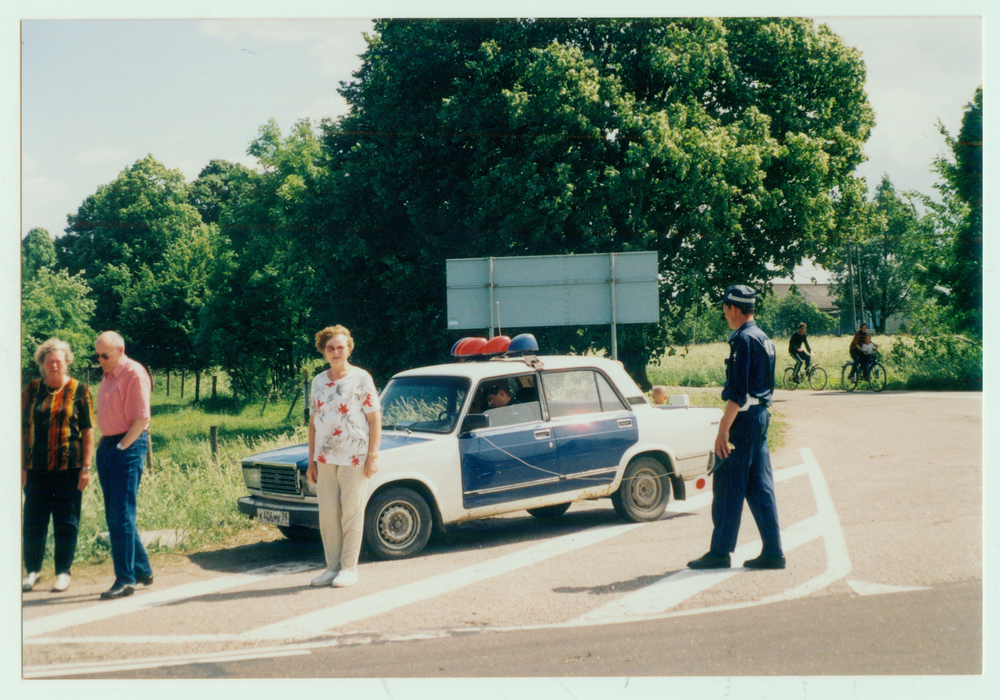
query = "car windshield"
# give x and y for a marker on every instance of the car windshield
(428, 404)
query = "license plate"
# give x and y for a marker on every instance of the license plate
(274, 517)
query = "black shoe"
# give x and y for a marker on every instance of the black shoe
(764, 562)
(119, 590)
(147, 581)
(710, 561)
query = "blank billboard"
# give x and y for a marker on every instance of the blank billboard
(553, 290)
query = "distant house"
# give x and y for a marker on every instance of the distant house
(822, 295)
(819, 294)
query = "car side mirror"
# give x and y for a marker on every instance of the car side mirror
(475, 421)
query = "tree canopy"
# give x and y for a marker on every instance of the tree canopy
(721, 144)
(143, 248)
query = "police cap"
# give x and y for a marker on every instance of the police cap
(739, 294)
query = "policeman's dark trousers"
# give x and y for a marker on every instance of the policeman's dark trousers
(56, 495)
(746, 475)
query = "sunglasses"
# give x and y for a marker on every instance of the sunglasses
(102, 356)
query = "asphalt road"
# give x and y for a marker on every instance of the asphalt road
(880, 499)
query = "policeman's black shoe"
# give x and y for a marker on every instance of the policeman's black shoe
(147, 581)
(710, 561)
(119, 590)
(765, 562)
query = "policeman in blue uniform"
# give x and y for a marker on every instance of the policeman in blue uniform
(744, 472)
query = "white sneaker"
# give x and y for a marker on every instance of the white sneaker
(347, 577)
(325, 579)
(62, 583)
(30, 580)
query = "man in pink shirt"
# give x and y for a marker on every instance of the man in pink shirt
(123, 413)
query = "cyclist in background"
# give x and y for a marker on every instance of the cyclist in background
(796, 351)
(867, 355)
(856, 342)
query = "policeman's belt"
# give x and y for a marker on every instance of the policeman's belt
(751, 401)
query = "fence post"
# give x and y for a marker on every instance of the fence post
(197, 386)
(213, 432)
(291, 406)
(168, 382)
(214, 378)
(305, 395)
(183, 377)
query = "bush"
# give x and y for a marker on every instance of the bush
(779, 318)
(939, 362)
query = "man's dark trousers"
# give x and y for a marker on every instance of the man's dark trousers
(746, 474)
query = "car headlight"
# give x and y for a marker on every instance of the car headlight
(308, 487)
(251, 476)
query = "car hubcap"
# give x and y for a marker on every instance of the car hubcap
(397, 524)
(645, 490)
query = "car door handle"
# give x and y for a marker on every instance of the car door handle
(543, 434)
(624, 422)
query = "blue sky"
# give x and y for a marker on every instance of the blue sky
(98, 95)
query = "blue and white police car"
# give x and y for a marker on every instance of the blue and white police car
(500, 430)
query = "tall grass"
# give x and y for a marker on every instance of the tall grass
(704, 365)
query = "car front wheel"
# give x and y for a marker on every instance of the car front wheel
(644, 492)
(397, 523)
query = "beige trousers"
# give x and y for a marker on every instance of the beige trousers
(341, 492)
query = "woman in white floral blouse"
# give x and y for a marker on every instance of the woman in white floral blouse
(345, 430)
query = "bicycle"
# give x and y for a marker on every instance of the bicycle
(876, 375)
(815, 375)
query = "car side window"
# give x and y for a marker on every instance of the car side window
(610, 401)
(509, 400)
(571, 393)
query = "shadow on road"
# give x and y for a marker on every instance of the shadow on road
(473, 535)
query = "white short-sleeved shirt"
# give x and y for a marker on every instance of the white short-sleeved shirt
(868, 348)
(338, 409)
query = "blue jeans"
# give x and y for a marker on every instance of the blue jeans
(119, 472)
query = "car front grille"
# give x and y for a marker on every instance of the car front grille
(279, 480)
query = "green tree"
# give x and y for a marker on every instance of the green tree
(129, 241)
(878, 272)
(695, 138)
(37, 251)
(55, 304)
(253, 321)
(221, 186)
(960, 278)
(779, 318)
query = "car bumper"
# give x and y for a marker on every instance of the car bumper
(299, 515)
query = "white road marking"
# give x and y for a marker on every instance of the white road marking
(862, 588)
(90, 667)
(103, 610)
(318, 622)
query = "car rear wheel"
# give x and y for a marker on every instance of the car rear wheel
(397, 523)
(644, 492)
(549, 511)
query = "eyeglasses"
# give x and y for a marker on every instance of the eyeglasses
(102, 356)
